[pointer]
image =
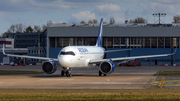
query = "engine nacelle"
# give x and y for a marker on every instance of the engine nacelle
(49, 67)
(106, 67)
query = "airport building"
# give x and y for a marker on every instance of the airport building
(24, 44)
(143, 39)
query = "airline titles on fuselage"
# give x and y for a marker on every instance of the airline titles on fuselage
(82, 50)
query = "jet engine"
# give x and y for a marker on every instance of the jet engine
(106, 67)
(49, 67)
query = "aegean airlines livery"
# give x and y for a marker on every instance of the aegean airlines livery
(83, 57)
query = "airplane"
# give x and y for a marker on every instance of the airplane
(83, 57)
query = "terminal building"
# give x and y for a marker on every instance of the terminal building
(24, 44)
(142, 39)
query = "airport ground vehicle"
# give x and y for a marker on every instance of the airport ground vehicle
(130, 64)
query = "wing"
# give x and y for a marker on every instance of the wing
(30, 57)
(116, 50)
(127, 58)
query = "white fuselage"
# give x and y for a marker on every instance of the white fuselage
(79, 56)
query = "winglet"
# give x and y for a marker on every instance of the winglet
(4, 49)
(99, 39)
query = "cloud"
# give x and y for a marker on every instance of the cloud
(35, 5)
(83, 15)
(108, 8)
(166, 1)
(165, 6)
(2, 14)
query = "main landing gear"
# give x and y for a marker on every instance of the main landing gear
(100, 73)
(66, 71)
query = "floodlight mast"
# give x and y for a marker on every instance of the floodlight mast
(159, 15)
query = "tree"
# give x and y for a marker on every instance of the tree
(95, 21)
(29, 29)
(104, 22)
(44, 27)
(12, 29)
(82, 22)
(20, 27)
(37, 28)
(112, 20)
(176, 19)
(90, 22)
(49, 23)
(140, 20)
(3, 35)
(131, 21)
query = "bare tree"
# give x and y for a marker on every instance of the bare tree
(131, 21)
(95, 21)
(12, 29)
(176, 19)
(37, 28)
(49, 23)
(140, 20)
(104, 22)
(44, 27)
(82, 22)
(20, 27)
(112, 20)
(3, 35)
(90, 22)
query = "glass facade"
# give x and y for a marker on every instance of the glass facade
(116, 42)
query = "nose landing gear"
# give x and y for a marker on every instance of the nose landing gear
(66, 71)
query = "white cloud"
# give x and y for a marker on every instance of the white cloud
(83, 15)
(2, 14)
(161, 6)
(167, 1)
(108, 8)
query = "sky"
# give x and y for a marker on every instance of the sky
(39, 12)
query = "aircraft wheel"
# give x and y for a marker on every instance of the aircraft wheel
(68, 73)
(104, 74)
(100, 73)
(62, 73)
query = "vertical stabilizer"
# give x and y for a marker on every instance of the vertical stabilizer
(4, 49)
(99, 39)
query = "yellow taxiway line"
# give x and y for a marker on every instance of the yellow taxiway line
(168, 81)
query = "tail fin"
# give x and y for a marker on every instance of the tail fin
(4, 49)
(99, 40)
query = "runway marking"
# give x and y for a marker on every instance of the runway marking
(56, 79)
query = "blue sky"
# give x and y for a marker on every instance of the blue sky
(38, 12)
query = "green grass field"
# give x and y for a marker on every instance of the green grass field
(89, 95)
(6, 72)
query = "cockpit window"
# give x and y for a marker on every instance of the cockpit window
(67, 53)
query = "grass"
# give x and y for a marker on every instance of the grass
(6, 72)
(89, 95)
(168, 73)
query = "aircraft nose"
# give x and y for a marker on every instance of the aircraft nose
(63, 61)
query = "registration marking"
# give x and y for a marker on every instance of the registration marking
(56, 79)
